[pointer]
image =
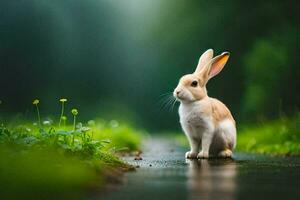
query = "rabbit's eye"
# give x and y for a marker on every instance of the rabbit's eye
(194, 84)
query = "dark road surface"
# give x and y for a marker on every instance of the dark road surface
(165, 174)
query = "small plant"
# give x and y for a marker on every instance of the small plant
(83, 150)
(62, 110)
(35, 103)
(74, 112)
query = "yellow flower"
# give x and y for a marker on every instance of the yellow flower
(74, 111)
(36, 102)
(63, 100)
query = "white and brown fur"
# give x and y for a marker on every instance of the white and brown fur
(207, 122)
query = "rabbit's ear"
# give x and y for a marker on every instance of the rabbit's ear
(204, 59)
(212, 68)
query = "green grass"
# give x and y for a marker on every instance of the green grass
(279, 137)
(123, 137)
(40, 161)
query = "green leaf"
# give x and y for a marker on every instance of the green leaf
(64, 133)
(76, 132)
(105, 141)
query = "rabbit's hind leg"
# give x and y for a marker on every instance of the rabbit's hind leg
(227, 153)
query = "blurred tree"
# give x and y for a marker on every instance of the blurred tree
(271, 73)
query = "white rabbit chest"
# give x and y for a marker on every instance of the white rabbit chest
(193, 120)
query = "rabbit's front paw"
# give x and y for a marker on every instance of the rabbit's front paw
(202, 154)
(190, 155)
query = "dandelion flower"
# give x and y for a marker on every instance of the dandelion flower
(63, 100)
(36, 102)
(74, 111)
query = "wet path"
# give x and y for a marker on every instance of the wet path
(165, 174)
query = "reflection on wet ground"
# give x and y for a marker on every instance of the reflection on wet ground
(165, 174)
(211, 179)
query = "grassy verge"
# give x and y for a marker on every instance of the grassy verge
(51, 161)
(278, 137)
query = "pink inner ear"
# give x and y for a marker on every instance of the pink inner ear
(214, 71)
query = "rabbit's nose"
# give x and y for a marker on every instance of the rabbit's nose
(176, 92)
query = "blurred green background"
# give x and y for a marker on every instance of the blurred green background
(114, 59)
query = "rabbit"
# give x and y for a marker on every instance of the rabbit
(207, 122)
